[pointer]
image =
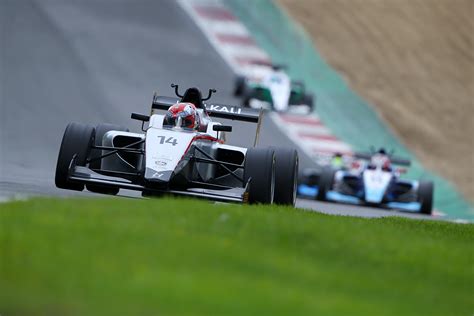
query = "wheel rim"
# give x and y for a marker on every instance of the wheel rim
(295, 183)
(272, 185)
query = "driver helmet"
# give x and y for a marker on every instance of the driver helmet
(183, 115)
(384, 159)
(386, 164)
(381, 160)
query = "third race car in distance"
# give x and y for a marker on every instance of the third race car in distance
(270, 87)
(370, 179)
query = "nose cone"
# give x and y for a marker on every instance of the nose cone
(376, 183)
(158, 176)
(374, 195)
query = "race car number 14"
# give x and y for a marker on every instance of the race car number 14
(170, 140)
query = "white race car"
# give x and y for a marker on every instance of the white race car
(272, 89)
(175, 160)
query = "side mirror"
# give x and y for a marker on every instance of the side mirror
(222, 128)
(140, 117)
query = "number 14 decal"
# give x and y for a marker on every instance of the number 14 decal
(170, 140)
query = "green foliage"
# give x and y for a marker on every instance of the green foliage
(188, 257)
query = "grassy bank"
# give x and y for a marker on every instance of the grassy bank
(186, 257)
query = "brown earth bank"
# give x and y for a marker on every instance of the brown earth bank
(413, 60)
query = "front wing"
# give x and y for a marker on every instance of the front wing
(310, 192)
(334, 196)
(87, 176)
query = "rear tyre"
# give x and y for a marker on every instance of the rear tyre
(309, 101)
(77, 140)
(286, 176)
(100, 131)
(239, 86)
(326, 181)
(247, 95)
(259, 166)
(425, 197)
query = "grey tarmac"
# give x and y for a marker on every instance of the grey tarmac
(97, 61)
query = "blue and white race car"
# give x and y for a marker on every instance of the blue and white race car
(370, 180)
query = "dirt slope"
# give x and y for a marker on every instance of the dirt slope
(414, 61)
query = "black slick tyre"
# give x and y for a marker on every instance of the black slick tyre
(77, 140)
(425, 197)
(309, 101)
(259, 166)
(239, 86)
(100, 131)
(326, 181)
(309, 177)
(286, 176)
(247, 95)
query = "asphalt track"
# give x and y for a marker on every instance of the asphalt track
(97, 61)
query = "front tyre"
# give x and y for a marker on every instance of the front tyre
(239, 86)
(309, 101)
(326, 181)
(247, 96)
(425, 197)
(286, 176)
(77, 140)
(259, 166)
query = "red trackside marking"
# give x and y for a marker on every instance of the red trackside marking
(254, 61)
(331, 151)
(301, 120)
(235, 39)
(319, 137)
(214, 13)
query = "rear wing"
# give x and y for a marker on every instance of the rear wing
(229, 112)
(394, 160)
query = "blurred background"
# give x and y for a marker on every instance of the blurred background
(413, 60)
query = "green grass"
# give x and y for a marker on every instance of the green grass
(187, 257)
